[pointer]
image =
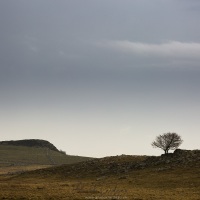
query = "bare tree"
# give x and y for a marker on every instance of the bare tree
(167, 141)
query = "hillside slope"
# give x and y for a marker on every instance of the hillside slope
(168, 177)
(30, 143)
(34, 152)
(125, 164)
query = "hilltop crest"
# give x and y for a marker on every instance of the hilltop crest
(30, 143)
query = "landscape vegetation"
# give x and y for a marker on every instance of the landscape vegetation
(38, 170)
(86, 87)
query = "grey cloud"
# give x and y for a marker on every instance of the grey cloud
(84, 56)
(173, 50)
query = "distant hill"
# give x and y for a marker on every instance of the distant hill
(30, 143)
(34, 152)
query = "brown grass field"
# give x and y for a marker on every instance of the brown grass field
(179, 183)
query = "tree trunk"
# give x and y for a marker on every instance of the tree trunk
(166, 151)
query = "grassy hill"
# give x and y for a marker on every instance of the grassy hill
(34, 152)
(30, 143)
(168, 177)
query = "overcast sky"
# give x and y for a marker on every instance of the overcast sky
(100, 77)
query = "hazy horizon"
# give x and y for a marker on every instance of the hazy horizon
(100, 78)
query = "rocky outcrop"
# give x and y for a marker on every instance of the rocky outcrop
(124, 164)
(178, 158)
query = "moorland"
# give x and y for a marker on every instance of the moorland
(50, 174)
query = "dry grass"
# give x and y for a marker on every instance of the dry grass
(147, 184)
(11, 170)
